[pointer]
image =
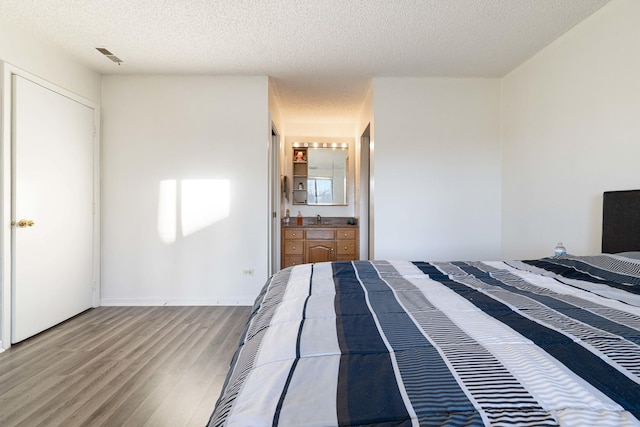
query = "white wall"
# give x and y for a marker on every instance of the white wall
(275, 108)
(38, 57)
(437, 168)
(571, 130)
(363, 201)
(184, 189)
(319, 129)
(275, 162)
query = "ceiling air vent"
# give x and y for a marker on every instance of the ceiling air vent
(109, 55)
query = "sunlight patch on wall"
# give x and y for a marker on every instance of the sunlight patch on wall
(204, 202)
(167, 211)
(190, 205)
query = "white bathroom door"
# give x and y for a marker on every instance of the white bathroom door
(52, 208)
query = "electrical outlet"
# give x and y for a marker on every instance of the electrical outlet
(247, 272)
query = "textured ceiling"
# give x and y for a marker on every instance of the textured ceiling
(321, 54)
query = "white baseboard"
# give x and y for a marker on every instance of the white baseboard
(175, 302)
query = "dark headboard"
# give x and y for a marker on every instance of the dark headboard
(621, 221)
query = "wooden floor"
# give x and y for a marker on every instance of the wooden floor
(122, 366)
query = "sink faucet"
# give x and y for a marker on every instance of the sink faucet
(318, 219)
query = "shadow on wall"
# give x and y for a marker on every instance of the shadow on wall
(189, 205)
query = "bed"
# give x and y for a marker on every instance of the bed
(552, 341)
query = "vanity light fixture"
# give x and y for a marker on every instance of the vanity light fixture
(345, 145)
(315, 145)
(334, 145)
(296, 144)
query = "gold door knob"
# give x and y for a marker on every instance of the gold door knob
(23, 223)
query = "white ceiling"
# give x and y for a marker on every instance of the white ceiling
(321, 54)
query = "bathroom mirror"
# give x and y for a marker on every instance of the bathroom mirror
(327, 176)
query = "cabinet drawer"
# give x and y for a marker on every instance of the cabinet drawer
(293, 247)
(292, 260)
(346, 248)
(345, 234)
(320, 235)
(293, 234)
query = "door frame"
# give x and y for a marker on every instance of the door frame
(275, 200)
(7, 72)
(366, 195)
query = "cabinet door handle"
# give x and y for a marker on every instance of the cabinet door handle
(345, 248)
(293, 247)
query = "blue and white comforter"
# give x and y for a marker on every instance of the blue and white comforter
(548, 342)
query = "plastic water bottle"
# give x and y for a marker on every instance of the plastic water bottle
(560, 250)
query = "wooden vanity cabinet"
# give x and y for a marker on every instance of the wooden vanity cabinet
(346, 244)
(319, 251)
(292, 247)
(303, 245)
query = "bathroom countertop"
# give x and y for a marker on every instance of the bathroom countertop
(329, 222)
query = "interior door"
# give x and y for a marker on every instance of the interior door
(52, 208)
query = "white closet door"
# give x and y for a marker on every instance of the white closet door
(53, 188)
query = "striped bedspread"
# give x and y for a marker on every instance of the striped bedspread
(547, 342)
